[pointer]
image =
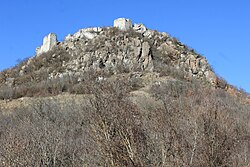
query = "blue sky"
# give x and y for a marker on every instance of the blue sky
(217, 29)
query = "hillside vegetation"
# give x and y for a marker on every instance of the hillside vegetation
(169, 124)
(113, 98)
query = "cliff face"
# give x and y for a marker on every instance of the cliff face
(123, 48)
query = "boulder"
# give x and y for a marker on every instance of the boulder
(149, 33)
(140, 28)
(89, 35)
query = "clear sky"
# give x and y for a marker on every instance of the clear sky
(217, 29)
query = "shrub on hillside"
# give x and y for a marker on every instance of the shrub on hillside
(193, 126)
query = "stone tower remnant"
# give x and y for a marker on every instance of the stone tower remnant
(49, 42)
(123, 24)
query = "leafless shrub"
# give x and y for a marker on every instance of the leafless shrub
(204, 128)
(116, 127)
(193, 126)
(222, 83)
(6, 92)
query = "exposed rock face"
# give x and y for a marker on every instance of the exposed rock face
(88, 33)
(169, 51)
(123, 24)
(140, 28)
(119, 50)
(113, 53)
(49, 42)
(211, 77)
(146, 57)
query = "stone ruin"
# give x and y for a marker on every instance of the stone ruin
(49, 42)
(126, 24)
(123, 24)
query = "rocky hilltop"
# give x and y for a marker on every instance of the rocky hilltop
(134, 47)
(122, 48)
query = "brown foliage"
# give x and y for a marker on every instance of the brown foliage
(194, 126)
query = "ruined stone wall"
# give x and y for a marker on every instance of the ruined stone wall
(49, 42)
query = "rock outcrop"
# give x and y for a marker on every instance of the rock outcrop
(88, 33)
(139, 28)
(119, 50)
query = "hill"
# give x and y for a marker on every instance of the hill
(110, 50)
(120, 96)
